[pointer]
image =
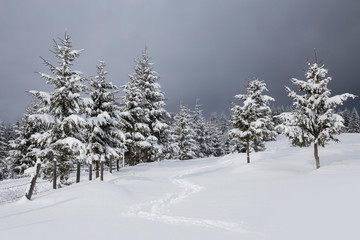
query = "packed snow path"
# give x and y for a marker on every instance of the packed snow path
(156, 210)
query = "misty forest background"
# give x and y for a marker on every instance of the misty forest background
(88, 122)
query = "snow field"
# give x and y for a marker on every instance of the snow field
(279, 195)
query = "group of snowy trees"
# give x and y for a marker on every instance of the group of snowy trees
(194, 137)
(312, 119)
(351, 121)
(82, 123)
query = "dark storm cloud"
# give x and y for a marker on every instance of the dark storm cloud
(205, 49)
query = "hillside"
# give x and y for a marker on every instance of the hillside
(279, 195)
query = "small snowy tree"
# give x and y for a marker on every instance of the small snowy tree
(346, 115)
(60, 116)
(4, 164)
(216, 147)
(199, 126)
(354, 123)
(106, 140)
(23, 147)
(252, 121)
(224, 127)
(313, 119)
(184, 134)
(143, 105)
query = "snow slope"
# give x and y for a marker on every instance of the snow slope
(279, 195)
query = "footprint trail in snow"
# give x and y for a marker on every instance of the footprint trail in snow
(156, 210)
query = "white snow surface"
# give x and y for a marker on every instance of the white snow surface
(279, 195)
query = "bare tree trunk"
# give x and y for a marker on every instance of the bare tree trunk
(248, 150)
(110, 164)
(316, 154)
(90, 172)
(54, 175)
(78, 165)
(256, 145)
(117, 164)
(29, 194)
(102, 171)
(97, 169)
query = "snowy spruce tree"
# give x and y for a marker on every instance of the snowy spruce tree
(60, 114)
(252, 121)
(148, 135)
(24, 147)
(106, 140)
(4, 163)
(224, 127)
(313, 119)
(354, 122)
(346, 115)
(184, 134)
(216, 146)
(199, 126)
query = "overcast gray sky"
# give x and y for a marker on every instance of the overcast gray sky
(205, 49)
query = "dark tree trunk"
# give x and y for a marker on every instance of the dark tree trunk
(29, 194)
(97, 169)
(248, 150)
(78, 165)
(316, 154)
(117, 165)
(102, 171)
(110, 165)
(256, 145)
(54, 175)
(90, 172)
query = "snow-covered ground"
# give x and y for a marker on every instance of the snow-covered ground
(279, 195)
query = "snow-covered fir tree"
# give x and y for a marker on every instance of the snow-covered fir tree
(199, 126)
(106, 140)
(24, 147)
(216, 147)
(60, 114)
(170, 148)
(148, 136)
(252, 121)
(346, 115)
(236, 145)
(224, 127)
(10, 133)
(313, 119)
(354, 122)
(184, 134)
(4, 163)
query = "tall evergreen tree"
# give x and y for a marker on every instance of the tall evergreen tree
(252, 121)
(106, 140)
(313, 120)
(147, 137)
(60, 116)
(184, 134)
(354, 123)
